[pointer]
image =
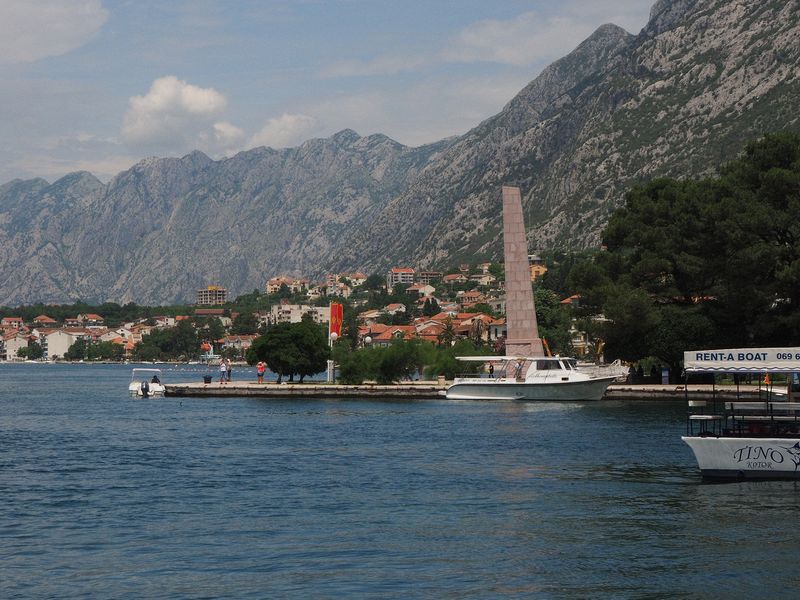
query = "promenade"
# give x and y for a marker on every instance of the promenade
(431, 390)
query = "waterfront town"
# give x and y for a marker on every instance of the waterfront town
(466, 303)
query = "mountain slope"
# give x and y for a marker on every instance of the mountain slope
(678, 99)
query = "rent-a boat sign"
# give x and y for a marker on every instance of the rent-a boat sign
(743, 359)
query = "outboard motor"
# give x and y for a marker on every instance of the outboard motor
(145, 389)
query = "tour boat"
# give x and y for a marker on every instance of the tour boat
(547, 378)
(146, 382)
(746, 433)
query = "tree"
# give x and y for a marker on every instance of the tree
(448, 333)
(77, 351)
(312, 342)
(35, 351)
(276, 348)
(430, 307)
(375, 281)
(401, 360)
(553, 321)
(245, 323)
(292, 349)
(105, 351)
(706, 263)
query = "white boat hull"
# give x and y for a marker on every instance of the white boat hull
(509, 389)
(746, 458)
(155, 389)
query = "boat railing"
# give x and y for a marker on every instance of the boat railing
(482, 376)
(752, 418)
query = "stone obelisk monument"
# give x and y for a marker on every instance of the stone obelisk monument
(523, 332)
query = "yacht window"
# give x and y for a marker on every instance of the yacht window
(547, 365)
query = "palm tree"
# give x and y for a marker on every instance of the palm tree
(448, 334)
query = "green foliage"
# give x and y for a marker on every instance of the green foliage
(244, 323)
(553, 321)
(403, 360)
(77, 351)
(181, 341)
(292, 349)
(498, 271)
(212, 329)
(444, 361)
(484, 308)
(709, 263)
(104, 351)
(375, 281)
(430, 307)
(34, 351)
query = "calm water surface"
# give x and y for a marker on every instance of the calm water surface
(105, 496)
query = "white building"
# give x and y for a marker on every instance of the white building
(293, 313)
(399, 275)
(12, 344)
(56, 342)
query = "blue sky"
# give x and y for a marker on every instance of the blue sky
(97, 85)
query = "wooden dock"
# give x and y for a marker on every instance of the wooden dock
(432, 390)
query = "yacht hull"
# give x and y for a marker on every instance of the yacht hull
(502, 389)
(746, 458)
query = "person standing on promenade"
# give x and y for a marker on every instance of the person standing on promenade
(260, 368)
(223, 370)
(228, 368)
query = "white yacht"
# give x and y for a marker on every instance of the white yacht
(546, 378)
(747, 432)
(146, 382)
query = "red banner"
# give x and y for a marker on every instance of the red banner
(337, 317)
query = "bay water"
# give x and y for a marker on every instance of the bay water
(105, 496)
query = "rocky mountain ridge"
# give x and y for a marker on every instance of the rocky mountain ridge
(678, 99)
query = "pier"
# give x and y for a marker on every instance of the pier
(434, 390)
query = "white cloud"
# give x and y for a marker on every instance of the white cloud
(173, 114)
(32, 30)
(286, 130)
(528, 38)
(228, 135)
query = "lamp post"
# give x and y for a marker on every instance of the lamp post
(331, 367)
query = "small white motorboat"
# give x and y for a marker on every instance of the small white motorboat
(547, 378)
(146, 383)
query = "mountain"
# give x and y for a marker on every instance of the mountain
(678, 99)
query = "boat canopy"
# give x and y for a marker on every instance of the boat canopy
(743, 360)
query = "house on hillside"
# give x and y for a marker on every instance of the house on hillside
(393, 332)
(91, 320)
(394, 308)
(484, 279)
(404, 275)
(44, 321)
(12, 343)
(428, 276)
(12, 322)
(454, 278)
(293, 313)
(420, 290)
(369, 317)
